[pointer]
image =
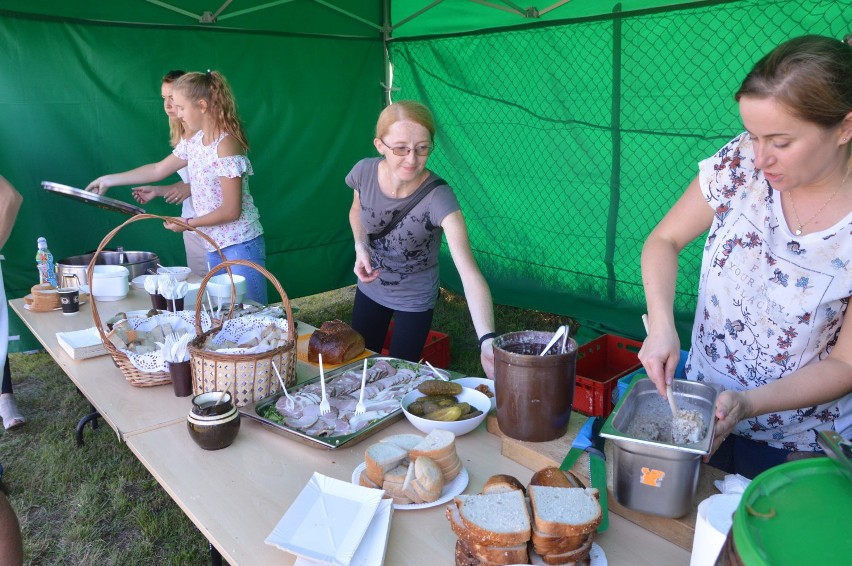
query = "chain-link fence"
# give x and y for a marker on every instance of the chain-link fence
(567, 143)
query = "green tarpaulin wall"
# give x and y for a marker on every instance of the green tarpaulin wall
(567, 131)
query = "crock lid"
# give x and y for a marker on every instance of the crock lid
(795, 513)
(100, 201)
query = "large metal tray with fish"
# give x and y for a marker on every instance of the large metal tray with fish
(302, 422)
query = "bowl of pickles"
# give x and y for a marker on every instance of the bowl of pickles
(446, 406)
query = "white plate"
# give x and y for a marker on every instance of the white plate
(327, 520)
(82, 344)
(371, 551)
(455, 487)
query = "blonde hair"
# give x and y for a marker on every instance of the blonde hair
(176, 127)
(405, 110)
(212, 87)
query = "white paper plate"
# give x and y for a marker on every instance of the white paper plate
(371, 551)
(327, 520)
(450, 490)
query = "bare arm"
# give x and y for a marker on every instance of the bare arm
(149, 173)
(363, 259)
(10, 204)
(816, 383)
(687, 219)
(476, 290)
(175, 193)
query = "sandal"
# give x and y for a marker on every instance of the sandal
(12, 417)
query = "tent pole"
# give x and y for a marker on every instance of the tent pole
(386, 33)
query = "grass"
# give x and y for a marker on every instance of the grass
(97, 504)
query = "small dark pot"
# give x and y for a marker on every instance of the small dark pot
(211, 426)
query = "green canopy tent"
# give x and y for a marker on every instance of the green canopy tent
(566, 129)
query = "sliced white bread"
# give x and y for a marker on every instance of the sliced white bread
(565, 511)
(393, 483)
(465, 557)
(503, 516)
(480, 537)
(552, 544)
(428, 482)
(554, 477)
(365, 481)
(404, 441)
(571, 558)
(381, 457)
(501, 483)
(500, 554)
(436, 445)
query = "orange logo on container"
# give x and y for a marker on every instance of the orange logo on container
(654, 478)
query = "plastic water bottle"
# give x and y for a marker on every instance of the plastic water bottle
(44, 262)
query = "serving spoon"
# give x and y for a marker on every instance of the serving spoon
(556, 336)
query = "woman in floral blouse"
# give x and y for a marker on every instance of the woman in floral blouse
(776, 275)
(218, 175)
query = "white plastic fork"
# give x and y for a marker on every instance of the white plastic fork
(360, 409)
(325, 407)
(438, 374)
(283, 387)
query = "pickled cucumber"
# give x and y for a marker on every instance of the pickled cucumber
(439, 387)
(446, 414)
(470, 415)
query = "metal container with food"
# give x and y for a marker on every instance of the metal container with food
(651, 473)
(343, 385)
(72, 270)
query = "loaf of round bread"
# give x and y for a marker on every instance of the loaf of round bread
(554, 477)
(502, 482)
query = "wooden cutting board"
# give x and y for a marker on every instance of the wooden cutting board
(302, 354)
(538, 455)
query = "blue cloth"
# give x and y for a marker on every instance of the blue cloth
(253, 250)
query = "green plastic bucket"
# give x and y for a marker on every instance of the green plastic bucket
(796, 513)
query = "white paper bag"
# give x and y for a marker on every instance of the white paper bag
(715, 516)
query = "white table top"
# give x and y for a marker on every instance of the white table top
(235, 496)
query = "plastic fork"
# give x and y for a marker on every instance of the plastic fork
(283, 387)
(325, 407)
(360, 409)
(438, 374)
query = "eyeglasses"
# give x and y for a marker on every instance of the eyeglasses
(420, 150)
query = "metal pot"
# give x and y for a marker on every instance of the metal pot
(71, 271)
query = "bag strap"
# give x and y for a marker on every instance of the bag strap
(398, 215)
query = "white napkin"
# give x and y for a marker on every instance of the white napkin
(715, 516)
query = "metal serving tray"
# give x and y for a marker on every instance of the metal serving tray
(331, 442)
(100, 201)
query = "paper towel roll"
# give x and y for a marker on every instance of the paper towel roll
(715, 515)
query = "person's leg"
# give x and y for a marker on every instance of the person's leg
(410, 330)
(11, 545)
(752, 458)
(254, 251)
(370, 320)
(196, 253)
(6, 385)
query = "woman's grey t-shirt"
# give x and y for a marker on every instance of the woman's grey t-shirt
(407, 257)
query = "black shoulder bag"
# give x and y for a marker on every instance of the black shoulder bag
(398, 215)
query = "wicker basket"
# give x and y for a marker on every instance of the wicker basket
(248, 377)
(134, 375)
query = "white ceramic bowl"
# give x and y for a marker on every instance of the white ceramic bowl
(219, 287)
(110, 282)
(471, 396)
(473, 382)
(139, 282)
(180, 272)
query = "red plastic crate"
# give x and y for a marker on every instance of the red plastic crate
(436, 350)
(600, 363)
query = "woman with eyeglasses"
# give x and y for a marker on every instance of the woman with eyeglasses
(399, 211)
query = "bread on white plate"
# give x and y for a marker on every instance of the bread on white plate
(553, 544)
(570, 558)
(565, 511)
(495, 519)
(381, 457)
(437, 444)
(404, 441)
(428, 481)
(480, 555)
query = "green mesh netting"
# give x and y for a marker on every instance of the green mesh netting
(567, 143)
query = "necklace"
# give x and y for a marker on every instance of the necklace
(799, 223)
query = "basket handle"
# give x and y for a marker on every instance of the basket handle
(110, 347)
(227, 265)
